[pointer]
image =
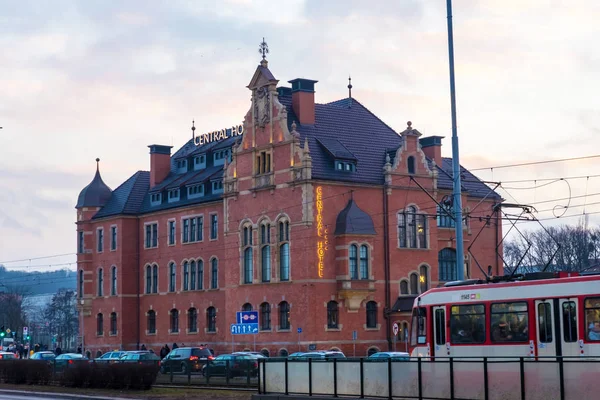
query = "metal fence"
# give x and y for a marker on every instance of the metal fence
(443, 378)
(213, 375)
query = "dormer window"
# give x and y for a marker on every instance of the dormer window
(182, 166)
(195, 191)
(155, 199)
(217, 187)
(220, 156)
(346, 166)
(199, 162)
(173, 195)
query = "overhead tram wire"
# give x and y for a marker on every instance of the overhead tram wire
(39, 258)
(534, 163)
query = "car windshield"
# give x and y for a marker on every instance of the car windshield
(201, 352)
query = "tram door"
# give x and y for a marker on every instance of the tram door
(439, 332)
(546, 342)
(567, 310)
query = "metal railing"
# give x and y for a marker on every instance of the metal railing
(463, 378)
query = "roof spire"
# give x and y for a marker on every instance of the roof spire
(97, 165)
(263, 48)
(349, 87)
(193, 131)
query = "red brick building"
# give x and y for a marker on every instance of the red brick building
(319, 216)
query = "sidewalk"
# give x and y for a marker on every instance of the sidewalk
(55, 395)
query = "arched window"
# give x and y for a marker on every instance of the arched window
(283, 353)
(371, 314)
(404, 287)
(423, 278)
(113, 281)
(155, 279)
(412, 229)
(100, 282)
(371, 351)
(200, 275)
(265, 251)
(192, 275)
(353, 258)
(192, 320)
(174, 320)
(172, 277)
(99, 324)
(284, 251)
(247, 307)
(410, 163)
(265, 352)
(248, 267)
(211, 319)
(284, 315)
(447, 265)
(364, 262)
(113, 323)
(80, 284)
(148, 279)
(414, 283)
(332, 315)
(151, 321)
(186, 276)
(265, 317)
(214, 274)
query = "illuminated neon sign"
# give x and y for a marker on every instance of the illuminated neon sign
(323, 240)
(219, 135)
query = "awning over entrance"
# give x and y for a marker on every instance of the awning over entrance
(403, 304)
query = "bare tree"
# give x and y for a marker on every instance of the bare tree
(12, 315)
(62, 319)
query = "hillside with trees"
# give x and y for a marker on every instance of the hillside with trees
(34, 283)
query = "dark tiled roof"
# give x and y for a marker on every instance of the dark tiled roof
(469, 182)
(127, 198)
(404, 304)
(96, 194)
(146, 207)
(336, 149)
(354, 221)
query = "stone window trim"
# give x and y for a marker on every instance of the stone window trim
(151, 334)
(100, 282)
(376, 329)
(403, 224)
(407, 282)
(210, 232)
(338, 329)
(279, 330)
(282, 241)
(211, 279)
(114, 280)
(157, 235)
(246, 240)
(358, 245)
(174, 220)
(189, 218)
(114, 246)
(417, 273)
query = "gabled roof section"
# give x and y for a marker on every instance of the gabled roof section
(337, 149)
(262, 76)
(128, 197)
(354, 221)
(96, 194)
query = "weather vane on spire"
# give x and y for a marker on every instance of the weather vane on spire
(263, 48)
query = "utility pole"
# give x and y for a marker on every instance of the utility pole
(456, 193)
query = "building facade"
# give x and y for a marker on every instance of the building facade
(319, 216)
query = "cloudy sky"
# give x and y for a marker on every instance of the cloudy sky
(87, 79)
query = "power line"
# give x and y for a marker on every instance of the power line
(535, 163)
(38, 258)
(552, 179)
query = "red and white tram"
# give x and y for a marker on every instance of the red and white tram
(535, 315)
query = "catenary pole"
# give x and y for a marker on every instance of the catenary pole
(456, 193)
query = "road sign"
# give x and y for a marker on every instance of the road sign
(247, 317)
(7, 330)
(299, 330)
(395, 329)
(244, 329)
(25, 331)
(354, 335)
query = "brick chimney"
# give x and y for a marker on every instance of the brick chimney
(160, 163)
(303, 100)
(432, 147)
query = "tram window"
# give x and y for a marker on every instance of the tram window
(467, 324)
(592, 318)
(509, 322)
(440, 327)
(569, 321)
(418, 328)
(545, 322)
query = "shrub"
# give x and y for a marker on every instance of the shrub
(20, 372)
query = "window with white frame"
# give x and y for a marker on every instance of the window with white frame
(174, 195)
(113, 238)
(193, 229)
(195, 191)
(151, 235)
(155, 199)
(412, 229)
(100, 239)
(172, 233)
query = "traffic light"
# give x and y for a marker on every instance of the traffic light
(2, 332)
(28, 337)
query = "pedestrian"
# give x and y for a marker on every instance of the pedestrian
(175, 346)
(163, 352)
(79, 350)
(58, 351)
(143, 347)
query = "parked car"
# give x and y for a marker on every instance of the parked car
(140, 357)
(43, 355)
(186, 359)
(394, 355)
(64, 360)
(317, 355)
(5, 355)
(249, 353)
(110, 357)
(232, 365)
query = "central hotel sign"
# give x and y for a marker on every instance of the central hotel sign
(322, 238)
(219, 135)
